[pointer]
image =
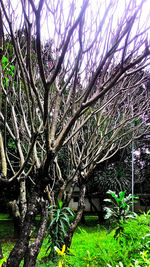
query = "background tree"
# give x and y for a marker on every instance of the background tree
(111, 128)
(74, 93)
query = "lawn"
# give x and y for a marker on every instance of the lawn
(92, 246)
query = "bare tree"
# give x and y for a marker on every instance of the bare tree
(103, 130)
(53, 97)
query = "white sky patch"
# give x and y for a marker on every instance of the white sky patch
(95, 6)
(137, 153)
(55, 25)
(147, 151)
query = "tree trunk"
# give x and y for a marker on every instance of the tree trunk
(69, 195)
(17, 227)
(1, 253)
(14, 211)
(100, 212)
(34, 249)
(74, 224)
(83, 221)
(22, 200)
(20, 248)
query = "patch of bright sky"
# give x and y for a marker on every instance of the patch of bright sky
(95, 6)
(54, 26)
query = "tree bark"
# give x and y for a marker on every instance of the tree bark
(14, 211)
(17, 227)
(20, 248)
(100, 212)
(23, 202)
(69, 195)
(74, 224)
(34, 249)
(83, 221)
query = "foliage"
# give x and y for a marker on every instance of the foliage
(137, 232)
(58, 226)
(8, 70)
(136, 238)
(7, 67)
(144, 218)
(120, 210)
(120, 265)
(143, 260)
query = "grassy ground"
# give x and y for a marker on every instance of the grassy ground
(6, 227)
(85, 239)
(85, 244)
(93, 247)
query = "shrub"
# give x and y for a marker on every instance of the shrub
(136, 233)
(119, 210)
(58, 227)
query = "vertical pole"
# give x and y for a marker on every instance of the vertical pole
(132, 165)
(132, 175)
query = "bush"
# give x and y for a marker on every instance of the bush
(134, 242)
(120, 210)
(136, 234)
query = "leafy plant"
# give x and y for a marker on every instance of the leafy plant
(58, 227)
(120, 209)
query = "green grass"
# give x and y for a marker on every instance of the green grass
(6, 226)
(87, 240)
(93, 247)
(4, 217)
(6, 229)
